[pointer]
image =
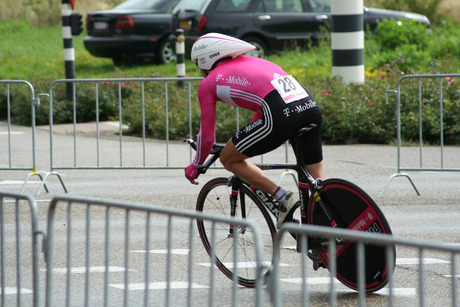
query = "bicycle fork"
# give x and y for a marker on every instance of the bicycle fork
(304, 190)
(234, 196)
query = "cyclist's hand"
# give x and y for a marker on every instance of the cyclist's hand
(191, 173)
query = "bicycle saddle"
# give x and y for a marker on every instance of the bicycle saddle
(305, 130)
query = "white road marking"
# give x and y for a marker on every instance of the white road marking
(11, 290)
(311, 280)
(159, 286)
(177, 251)
(11, 132)
(400, 261)
(241, 264)
(82, 270)
(12, 182)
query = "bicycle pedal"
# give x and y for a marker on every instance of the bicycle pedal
(317, 262)
(318, 265)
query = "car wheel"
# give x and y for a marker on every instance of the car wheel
(165, 53)
(120, 61)
(261, 48)
(126, 61)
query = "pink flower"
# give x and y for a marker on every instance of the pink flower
(371, 105)
(324, 92)
(132, 84)
(449, 80)
(106, 82)
(122, 84)
(382, 75)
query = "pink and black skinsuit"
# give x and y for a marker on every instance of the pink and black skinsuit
(281, 107)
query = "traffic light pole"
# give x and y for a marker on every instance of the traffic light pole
(69, 51)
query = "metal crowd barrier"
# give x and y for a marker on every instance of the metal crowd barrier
(444, 295)
(15, 151)
(127, 155)
(16, 160)
(106, 253)
(19, 250)
(441, 78)
(116, 153)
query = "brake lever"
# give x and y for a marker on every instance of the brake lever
(191, 142)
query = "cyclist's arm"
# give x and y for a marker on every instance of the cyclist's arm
(205, 139)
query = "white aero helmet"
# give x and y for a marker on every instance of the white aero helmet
(212, 47)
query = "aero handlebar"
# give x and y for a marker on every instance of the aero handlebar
(215, 153)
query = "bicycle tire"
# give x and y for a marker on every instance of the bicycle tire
(214, 199)
(353, 209)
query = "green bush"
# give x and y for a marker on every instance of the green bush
(348, 119)
(445, 40)
(402, 43)
(428, 8)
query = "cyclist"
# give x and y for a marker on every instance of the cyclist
(281, 107)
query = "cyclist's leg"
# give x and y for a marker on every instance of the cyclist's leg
(316, 170)
(237, 163)
(312, 149)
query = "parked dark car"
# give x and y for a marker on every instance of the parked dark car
(141, 28)
(135, 29)
(271, 25)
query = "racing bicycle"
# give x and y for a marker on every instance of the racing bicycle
(333, 202)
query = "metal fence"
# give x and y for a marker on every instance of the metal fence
(106, 253)
(15, 160)
(20, 150)
(111, 253)
(19, 250)
(147, 96)
(447, 292)
(99, 112)
(406, 157)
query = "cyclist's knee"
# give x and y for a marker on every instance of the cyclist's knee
(230, 155)
(224, 159)
(226, 156)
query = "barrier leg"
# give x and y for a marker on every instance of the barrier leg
(44, 182)
(399, 175)
(290, 173)
(34, 173)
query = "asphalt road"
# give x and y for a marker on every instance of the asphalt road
(433, 216)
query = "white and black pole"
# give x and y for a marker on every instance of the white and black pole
(347, 40)
(69, 51)
(180, 55)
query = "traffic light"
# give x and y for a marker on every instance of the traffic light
(76, 25)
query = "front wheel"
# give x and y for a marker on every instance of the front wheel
(353, 209)
(214, 199)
